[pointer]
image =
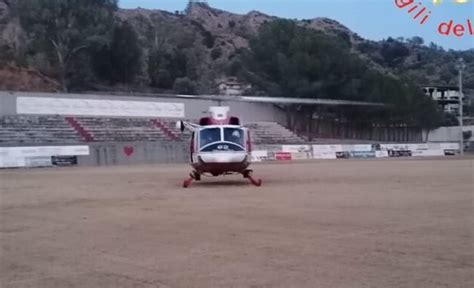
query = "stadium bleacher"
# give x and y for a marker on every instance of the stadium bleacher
(272, 133)
(28, 130)
(121, 129)
(32, 130)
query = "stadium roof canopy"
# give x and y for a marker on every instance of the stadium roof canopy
(256, 99)
(305, 101)
(274, 100)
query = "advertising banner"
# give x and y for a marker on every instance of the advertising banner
(95, 107)
(283, 156)
(395, 147)
(41, 161)
(259, 156)
(326, 151)
(332, 148)
(12, 162)
(38, 156)
(300, 156)
(381, 154)
(428, 153)
(343, 155)
(404, 146)
(271, 156)
(449, 146)
(296, 148)
(346, 148)
(434, 146)
(64, 160)
(39, 151)
(361, 148)
(362, 154)
(422, 146)
(399, 153)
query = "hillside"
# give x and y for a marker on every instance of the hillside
(210, 42)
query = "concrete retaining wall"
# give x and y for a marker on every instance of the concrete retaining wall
(194, 108)
(444, 134)
(106, 154)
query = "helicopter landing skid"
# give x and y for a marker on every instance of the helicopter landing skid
(192, 176)
(248, 175)
(197, 177)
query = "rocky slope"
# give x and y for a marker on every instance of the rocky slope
(213, 39)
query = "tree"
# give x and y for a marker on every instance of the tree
(208, 39)
(449, 120)
(416, 40)
(216, 53)
(125, 54)
(288, 60)
(165, 66)
(401, 39)
(393, 52)
(63, 29)
(184, 86)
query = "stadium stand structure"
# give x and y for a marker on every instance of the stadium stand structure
(38, 130)
(330, 141)
(103, 129)
(32, 130)
(272, 133)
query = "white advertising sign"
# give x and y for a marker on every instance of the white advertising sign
(333, 148)
(11, 162)
(326, 151)
(300, 156)
(95, 107)
(41, 151)
(259, 156)
(434, 146)
(324, 155)
(422, 146)
(449, 146)
(361, 148)
(295, 148)
(381, 154)
(427, 153)
(42, 161)
(346, 148)
(404, 146)
(395, 147)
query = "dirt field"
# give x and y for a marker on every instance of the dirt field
(348, 223)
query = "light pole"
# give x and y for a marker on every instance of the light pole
(461, 67)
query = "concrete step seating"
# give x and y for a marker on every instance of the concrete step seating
(272, 133)
(32, 129)
(123, 129)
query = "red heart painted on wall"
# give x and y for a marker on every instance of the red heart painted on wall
(128, 150)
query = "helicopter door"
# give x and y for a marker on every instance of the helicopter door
(193, 146)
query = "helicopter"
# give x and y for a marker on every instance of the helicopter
(220, 145)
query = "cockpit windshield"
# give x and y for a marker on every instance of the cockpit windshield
(210, 139)
(210, 135)
(234, 135)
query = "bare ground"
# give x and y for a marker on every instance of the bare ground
(349, 223)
